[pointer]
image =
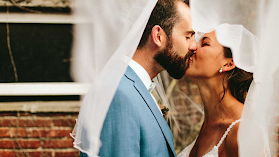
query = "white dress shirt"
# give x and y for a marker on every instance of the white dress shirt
(144, 76)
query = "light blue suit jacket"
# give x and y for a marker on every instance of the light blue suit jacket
(134, 127)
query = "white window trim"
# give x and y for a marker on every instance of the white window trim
(39, 88)
(48, 89)
(42, 89)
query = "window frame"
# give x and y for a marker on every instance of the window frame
(42, 88)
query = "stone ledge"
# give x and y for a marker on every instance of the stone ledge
(41, 106)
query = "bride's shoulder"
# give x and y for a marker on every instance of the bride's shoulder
(231, 143)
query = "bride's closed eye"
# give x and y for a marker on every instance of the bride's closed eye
(204, 44)
(205, 41)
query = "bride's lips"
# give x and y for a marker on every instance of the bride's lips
(190, 60)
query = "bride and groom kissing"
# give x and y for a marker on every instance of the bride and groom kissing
(135, 126)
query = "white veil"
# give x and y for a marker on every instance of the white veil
(109, 31)
(252, 35)
(105, 39)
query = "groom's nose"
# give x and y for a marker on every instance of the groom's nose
(191, 53)
(192, 45)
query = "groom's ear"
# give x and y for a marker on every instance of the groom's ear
(158, 36)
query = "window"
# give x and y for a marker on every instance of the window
(35, 58)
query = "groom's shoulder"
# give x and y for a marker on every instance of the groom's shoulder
(127, 80)
(125, 85)
(125, 93)
(126, 88)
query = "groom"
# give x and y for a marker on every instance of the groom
(134, 125)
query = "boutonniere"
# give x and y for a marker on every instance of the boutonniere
(164, 110)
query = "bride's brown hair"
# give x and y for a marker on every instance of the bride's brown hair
(238, 80)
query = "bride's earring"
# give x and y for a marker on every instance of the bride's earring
(221, 70)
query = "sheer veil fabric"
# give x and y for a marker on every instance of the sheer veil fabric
(105, 39)
(109, 31)
(250, 29)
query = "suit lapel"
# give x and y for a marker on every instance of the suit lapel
(138, 84)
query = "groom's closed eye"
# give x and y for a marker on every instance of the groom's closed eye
(190, 34)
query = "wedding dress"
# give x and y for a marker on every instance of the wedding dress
(214, 151)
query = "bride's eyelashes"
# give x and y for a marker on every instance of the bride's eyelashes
(204, 44)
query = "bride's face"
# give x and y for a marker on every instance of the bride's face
(208, 58)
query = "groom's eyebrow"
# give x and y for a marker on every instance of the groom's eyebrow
(191, 32)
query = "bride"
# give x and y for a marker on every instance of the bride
(223, 88)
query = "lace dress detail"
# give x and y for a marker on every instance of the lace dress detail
(214, 151)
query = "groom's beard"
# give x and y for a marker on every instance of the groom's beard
(170, 60)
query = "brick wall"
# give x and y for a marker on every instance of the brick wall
(25, 134)
(188, 117)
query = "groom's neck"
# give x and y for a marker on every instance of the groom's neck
(145, 58)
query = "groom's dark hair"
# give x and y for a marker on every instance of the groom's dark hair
(165, 15)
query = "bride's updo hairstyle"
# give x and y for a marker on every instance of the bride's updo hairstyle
(238, 80)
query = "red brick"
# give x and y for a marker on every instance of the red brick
(58, 143)
(4, 153)
(32, 144)
(34, 133)
(7, 144)
(74, 153)
(38, 154)
(35, 123)
(7, 132)
(24, 133)
(22, 143)
(25, 153)
(64, 122)
(56, 133)
(12, 122)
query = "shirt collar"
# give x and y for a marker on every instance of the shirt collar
(144, 76)
(141, 72)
